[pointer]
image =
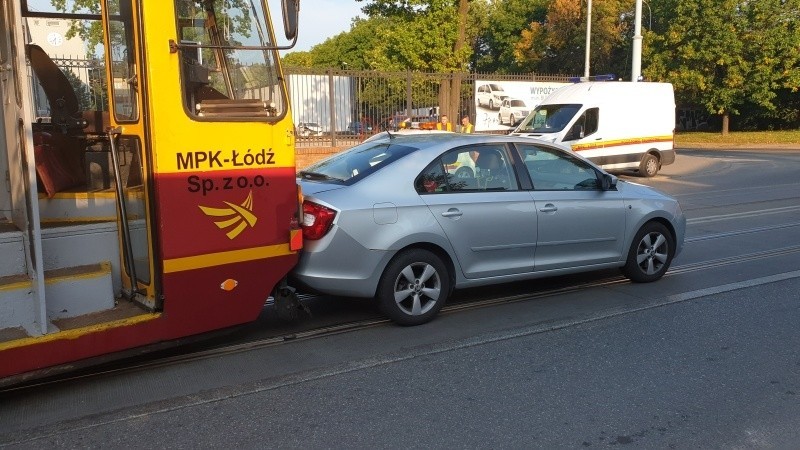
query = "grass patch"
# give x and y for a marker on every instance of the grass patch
(683, 139)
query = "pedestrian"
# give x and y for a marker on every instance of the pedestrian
(444, 124)
(466, 126)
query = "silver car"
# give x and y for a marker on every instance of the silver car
(391, 219)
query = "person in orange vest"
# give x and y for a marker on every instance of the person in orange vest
(444, 124)
(466, 126)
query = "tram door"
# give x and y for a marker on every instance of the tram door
(15, 194)
(127, 139)
(10, 106)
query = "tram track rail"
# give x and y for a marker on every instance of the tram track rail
(452, 308)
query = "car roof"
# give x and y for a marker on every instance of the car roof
(428, 139)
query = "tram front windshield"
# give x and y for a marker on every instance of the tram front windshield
(216, 66)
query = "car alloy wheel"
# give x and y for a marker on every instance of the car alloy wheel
(650, 254)
(414, 287)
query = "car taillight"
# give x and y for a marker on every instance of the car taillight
(317, 220)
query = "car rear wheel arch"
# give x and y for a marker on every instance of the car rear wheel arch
(436, 250)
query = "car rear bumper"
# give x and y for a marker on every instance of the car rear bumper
(344, 268)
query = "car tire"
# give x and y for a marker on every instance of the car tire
(413, 287)
(500, 118)
(491, 104)
(650, 254)
(649, 165)
(511, 120)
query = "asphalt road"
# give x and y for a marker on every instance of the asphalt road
(708, 357)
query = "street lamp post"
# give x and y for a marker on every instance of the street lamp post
(636, 63)
(588, 37)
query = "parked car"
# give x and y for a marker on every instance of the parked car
(388, 219)
(359, 128)
(512, 110)
(492, 95)
(309, 129)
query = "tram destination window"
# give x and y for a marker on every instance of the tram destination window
(226, 72)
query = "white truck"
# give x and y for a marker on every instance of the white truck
(617, 125)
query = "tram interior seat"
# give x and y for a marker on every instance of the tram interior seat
(59, 148)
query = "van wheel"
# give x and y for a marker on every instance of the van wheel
(649, 165)
(512, 120)
(650, 254)
(414, 287)
(491, 104)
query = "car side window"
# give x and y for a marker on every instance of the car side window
(551, 169)
(493, 168)
(432, 179)
(469, 169)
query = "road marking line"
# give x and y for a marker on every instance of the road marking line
(731, 287)
(739, 215)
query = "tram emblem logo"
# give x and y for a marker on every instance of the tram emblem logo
(234, 218)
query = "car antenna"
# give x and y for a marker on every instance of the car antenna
(391, 136)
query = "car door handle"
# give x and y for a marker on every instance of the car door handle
(549, 208)
(452, 213)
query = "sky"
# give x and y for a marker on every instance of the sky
(322, 19)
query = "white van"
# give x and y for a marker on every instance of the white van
(615, 124)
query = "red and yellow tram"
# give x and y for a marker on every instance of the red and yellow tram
(151, 196)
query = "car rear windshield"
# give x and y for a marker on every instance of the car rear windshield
(359, 162)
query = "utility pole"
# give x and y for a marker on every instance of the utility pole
(636, 63)
(588, 37)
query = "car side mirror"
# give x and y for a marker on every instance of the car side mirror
(607, 182)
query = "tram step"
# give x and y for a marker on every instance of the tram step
(17, 308)
(72, 244)
(95, 206)
(12, 252)
(79, 290)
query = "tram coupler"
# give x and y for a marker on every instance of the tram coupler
(288, 304)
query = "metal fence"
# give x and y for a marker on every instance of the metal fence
(338, 107)
(87, 77)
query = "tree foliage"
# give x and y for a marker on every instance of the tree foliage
(558, 43)
(494, 47)
(724, 55)
(734, 58)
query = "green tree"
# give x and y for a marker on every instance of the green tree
(724, 55)
(298, 59)
(494, 49)
(771, 39)
(90, 31)
(701, 53)
(428, 35)
(558, 44)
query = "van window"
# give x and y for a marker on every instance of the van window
(586, 125)
(549, 118)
